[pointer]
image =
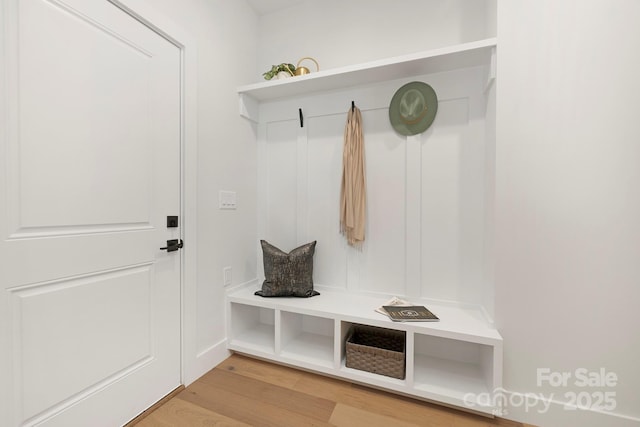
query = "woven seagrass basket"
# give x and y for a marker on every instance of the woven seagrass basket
(377, 350)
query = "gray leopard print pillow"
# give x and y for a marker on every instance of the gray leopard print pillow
(288, 274)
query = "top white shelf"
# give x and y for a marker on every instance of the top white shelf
(432, 61)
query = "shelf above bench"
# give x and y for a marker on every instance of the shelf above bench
(465, 55)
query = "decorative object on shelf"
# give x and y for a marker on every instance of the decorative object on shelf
(300, 71)
(411, 313)
(395, 301)
(413, 108)
(280, 71)
(353, 189)
(394, 310)
(377, 350)
(288, 274)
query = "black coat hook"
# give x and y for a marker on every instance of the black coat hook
(353, 106)
(301, 118)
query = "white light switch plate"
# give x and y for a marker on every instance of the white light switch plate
(227, 199)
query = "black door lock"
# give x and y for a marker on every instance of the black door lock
(172, 221)
(173, 245)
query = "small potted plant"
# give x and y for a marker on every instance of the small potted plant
(280, 71)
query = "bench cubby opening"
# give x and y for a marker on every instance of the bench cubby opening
(307, 338)
(253, 327)
(460, 370)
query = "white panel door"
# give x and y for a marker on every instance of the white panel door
(90, 149)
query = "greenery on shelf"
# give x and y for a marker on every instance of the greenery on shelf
(275, 69)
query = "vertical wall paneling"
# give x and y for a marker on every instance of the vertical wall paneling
(325, 136)
(302, 174)
(473, 196)
(489, 227)
(426, 194)
(262, 193)
(413, 216)
(282, 188)
(453, 192)
(382, 258)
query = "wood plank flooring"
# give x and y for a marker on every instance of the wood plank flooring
(243, 391)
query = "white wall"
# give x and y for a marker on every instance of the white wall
(339, 32)
(225, 32)
(567, 205)
(568, 199)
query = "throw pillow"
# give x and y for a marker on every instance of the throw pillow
(288, 274)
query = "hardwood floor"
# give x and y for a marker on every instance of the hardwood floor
(242, 391)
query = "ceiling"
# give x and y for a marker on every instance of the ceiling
(263, 7)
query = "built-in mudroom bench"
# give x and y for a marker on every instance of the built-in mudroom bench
(429, 223)
(456, 361)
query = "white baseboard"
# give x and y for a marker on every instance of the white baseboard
(210, 357)
(206, 360)
(542, 412)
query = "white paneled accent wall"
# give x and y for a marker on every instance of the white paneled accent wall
(426, 194)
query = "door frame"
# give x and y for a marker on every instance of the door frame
(164, 26)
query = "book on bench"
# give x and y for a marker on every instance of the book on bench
(410, 313)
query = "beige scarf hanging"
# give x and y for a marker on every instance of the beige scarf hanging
(352, 191)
